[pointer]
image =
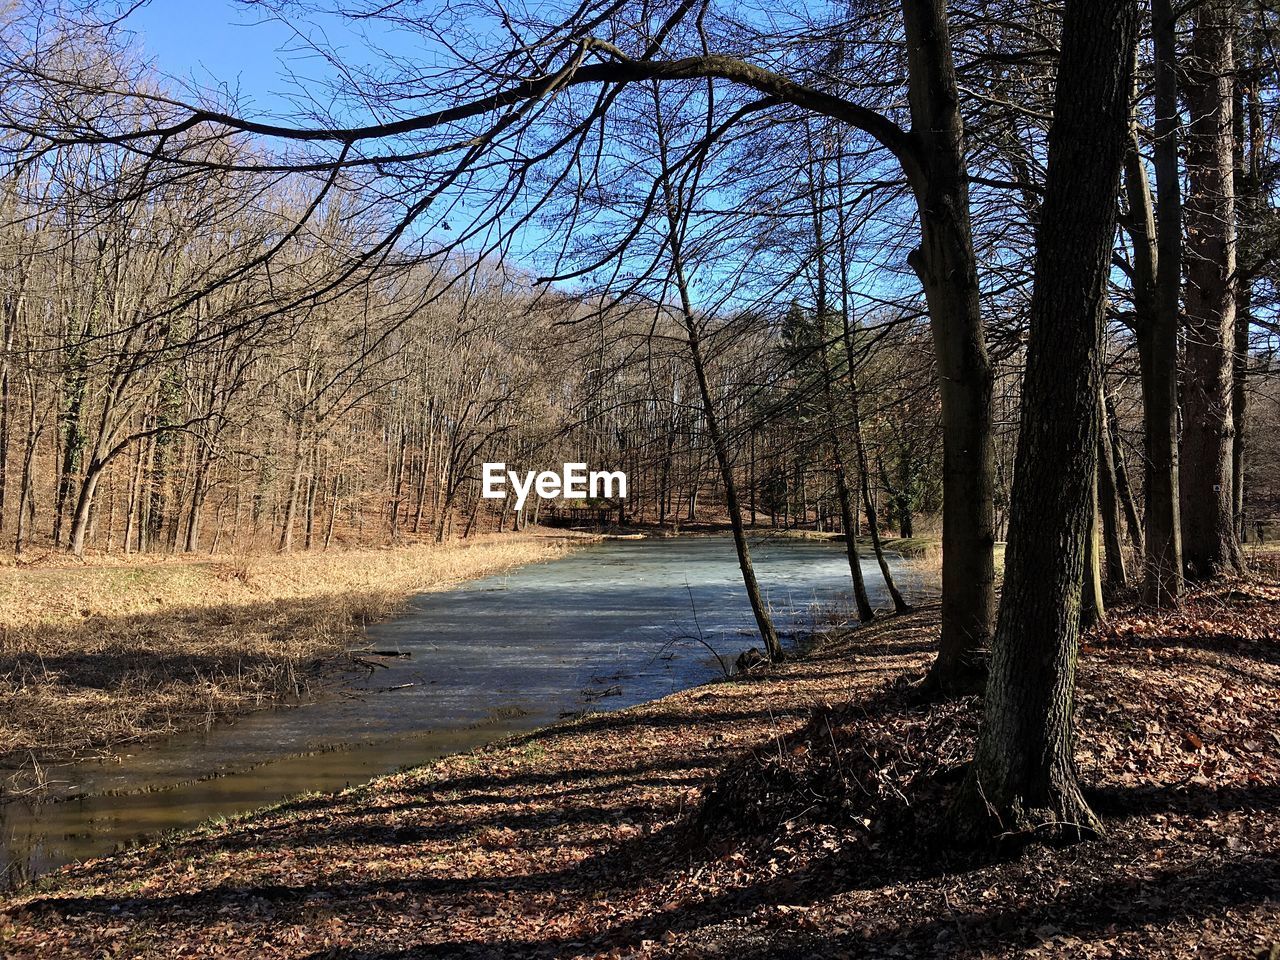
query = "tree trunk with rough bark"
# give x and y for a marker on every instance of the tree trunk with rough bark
(947, 268)
(1250, 207)
(1210, 546)
(1109, 505)
(1023, 780)
(1092, 606)
(1158, 265)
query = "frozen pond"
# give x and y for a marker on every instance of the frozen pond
(606, 627)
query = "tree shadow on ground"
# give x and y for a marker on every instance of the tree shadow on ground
(1103, 889)
(1115, 802)
(1204, 637)
(1114, 901)
(1112, 896)
(1106, 896)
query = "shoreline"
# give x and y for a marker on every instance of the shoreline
(581, 839)
(180, 773)
(101, 655)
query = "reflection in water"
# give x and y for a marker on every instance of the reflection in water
(607, 627)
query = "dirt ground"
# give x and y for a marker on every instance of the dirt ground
(595, 838)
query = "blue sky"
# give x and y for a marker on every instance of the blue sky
(222, 43)
(213, 44)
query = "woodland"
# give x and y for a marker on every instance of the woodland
(993, 284)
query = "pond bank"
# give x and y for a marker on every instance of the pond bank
(115, 651)
(609, 626)
(577, 840)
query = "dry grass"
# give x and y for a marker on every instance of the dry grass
(925, 561)
(922, 556)
(97, 654)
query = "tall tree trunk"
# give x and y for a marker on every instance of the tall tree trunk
(81, 531)
(948, 271)
(1123, 488)
(84, 506)
(471, 518)
(1023, 779)
(1210, 546)
(333, 510)
(444, 512)
(1109, 505)
(199, 493)
(864, 471)
(1158, 262)
(26, 486)
(309, 513)
(1239, 404)
(865, 613)
(855, 399)
(848, 514)
(133, 509)
(1092, 607)
(72, 447)
(397, 485)
(6, 401)
(177, 503)
(764, 621)
(674, 211)
(148, 495)
(664, 493)
(112, 499)
(1250, 205)
(291, 498)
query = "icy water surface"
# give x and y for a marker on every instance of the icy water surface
(608, 626)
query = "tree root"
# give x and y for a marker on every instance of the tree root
(1056, 814)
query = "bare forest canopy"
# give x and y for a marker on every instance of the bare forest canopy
(222, 329)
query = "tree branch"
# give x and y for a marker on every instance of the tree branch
(618, 71)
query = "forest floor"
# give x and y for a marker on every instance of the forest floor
(799, 812)
(96, 654)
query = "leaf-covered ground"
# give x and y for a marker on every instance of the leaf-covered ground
(828, 789)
